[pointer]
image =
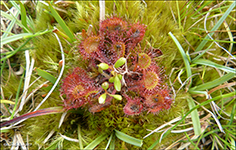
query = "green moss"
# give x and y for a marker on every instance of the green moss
(87, 13)
(10, 84)
(43, 18)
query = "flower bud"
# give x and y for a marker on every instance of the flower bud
(105, 85)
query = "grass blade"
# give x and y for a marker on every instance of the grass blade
(10, 27)
(195, 117)
(185, 12)
(200, 8)
(109, 141)
(113, 141)
(15, 37)
(80, 137)
(29, 21)
(213, 83)
(233, 112)
(200, 55)
(203, 43)
(179, 18)
(62, 23)
(232, 143)
(3, 66)
(200, 92)
(15, 51)
(19, 10)
(17, 95)
(23, 16)
(128, 139)
(46, 75)
(57, 144)
(212, 64)
(97, 141)
(39, 33)
(184, 56)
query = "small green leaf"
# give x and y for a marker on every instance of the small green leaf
(116, 96)
(46, 75)
(105, 85)
(128, 139)
(102, 98)
(103, 66)
(117, 83)
(120, 62)
(111, 79)
(120, 76)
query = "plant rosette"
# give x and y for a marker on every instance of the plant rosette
(117, 71)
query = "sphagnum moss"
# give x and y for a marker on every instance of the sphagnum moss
(158, 18)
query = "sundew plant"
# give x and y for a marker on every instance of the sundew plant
(118, 75)
(115, 69)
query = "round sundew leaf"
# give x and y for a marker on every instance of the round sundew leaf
(119, 48)
(151, 80)
(113, 24)
(144, 61)
(78, 91)
(121, 61)
(91, 44)
(117, 97)
(103, 66)
(102, 98)
(117, 83)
